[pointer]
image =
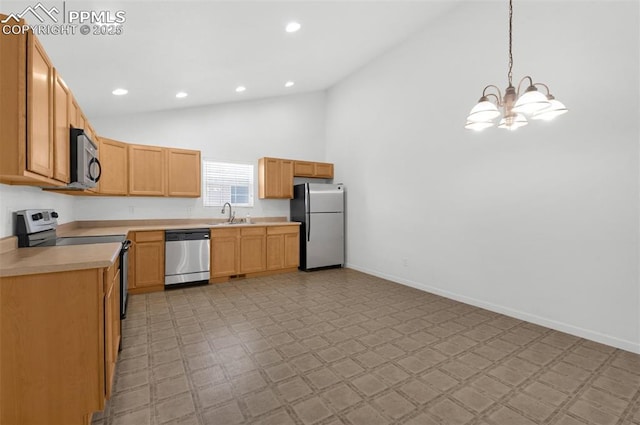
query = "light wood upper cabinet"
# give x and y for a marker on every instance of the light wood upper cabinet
(183, 173)
(253, 247)
(113, 158)
(147, 175)
(149, 259)
(74, 113)
(40, 116)
(275, 178)
(322, 170)
(61, 150)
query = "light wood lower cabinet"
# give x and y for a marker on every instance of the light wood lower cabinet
(253, 246)
(111, 324)
(224, 252)
(146, 258)
(283, 247)
(253, 250)
(60, 336)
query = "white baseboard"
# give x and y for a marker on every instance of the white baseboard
(631, 346)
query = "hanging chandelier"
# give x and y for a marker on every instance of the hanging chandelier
(533, 103)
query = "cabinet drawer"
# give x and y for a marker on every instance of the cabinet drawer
(150, 236)
(303, 169)
(248, 231)
(323, 169)
(281, 230)
(223, 233)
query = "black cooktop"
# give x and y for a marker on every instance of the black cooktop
(85, 240)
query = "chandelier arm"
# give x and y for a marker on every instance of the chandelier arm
(526, 77)
(545, 86)
(498, 96)
(498, 101)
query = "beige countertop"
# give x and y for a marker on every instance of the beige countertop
(51, 259)
(24, 261)
(124, 229)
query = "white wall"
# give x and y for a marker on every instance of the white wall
(288, 127)
(15, 198)
(540, 224)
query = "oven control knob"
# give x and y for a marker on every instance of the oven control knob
(36, 216)
(54, 214)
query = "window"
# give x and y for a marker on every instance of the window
(227, 182)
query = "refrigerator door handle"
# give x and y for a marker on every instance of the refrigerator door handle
(308, 211)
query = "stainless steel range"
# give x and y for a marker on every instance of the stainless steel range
(37, 228)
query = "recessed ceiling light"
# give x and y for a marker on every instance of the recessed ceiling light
(240, 89)
(120, 92)
(292, 27)
(289, 84)
(181, 94)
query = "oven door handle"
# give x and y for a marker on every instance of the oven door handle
(126, 245)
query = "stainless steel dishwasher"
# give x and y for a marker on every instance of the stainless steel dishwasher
(186, 256)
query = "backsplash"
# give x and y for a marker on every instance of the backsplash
(14, 198)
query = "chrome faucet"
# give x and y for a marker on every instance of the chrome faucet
(232, 216)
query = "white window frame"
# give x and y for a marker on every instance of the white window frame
(220, 176)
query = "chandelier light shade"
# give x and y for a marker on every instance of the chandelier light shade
(515, 106)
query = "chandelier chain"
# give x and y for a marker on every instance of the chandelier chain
(510, 74)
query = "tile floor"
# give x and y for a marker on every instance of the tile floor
(341, 347)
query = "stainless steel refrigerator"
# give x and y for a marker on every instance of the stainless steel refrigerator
(320, 209)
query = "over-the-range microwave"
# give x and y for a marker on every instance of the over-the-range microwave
(85, 166)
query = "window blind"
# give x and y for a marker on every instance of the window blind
(227, 182)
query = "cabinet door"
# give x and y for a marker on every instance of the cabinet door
(113, 158)
(323, 170)
(61, 98)
(146, 170)
(275, 252)
(292, 249)
(149, 264)
(40, 110)
(253, 250)
(286, 179)
(81, 120)
(275, 178)
(303, 169)
(74, 112)
(131, 272)
(224, 252)
(112, 326)
(271, 178)
(283, 247)
(183, 173)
